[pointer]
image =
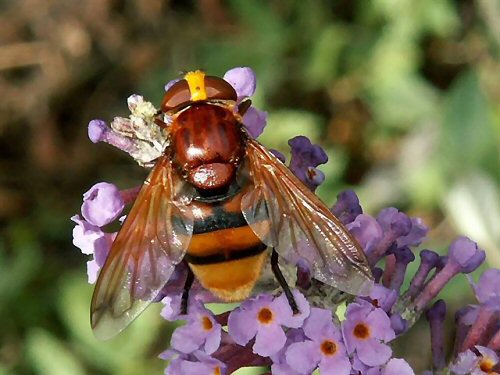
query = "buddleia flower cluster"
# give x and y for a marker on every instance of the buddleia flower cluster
(333, 332)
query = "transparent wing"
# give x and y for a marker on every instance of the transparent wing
(151, 242)
(285, 214)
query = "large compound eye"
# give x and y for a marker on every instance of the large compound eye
(217, 88)
(176, 95)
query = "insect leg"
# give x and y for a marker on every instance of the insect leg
(185, 292)
(160, 123)
(281, 280)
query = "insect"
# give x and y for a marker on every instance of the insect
(218, 200)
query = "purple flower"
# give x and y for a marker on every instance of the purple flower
(171, 307)
(367, 232)
(428, 260)
(487, 289)
(436, 315)
(358, 367)
(102, 204)
(483, 318)
(87, 237)
(398, 324)
(394, 224)
(366, 330)
(305, 158)
(243, 81)
(263, 317)
(397, 366)
(324, 349)
(466, 254)
(465, 362)
(469, 363)
(91, 240)
(278, 154)
(193, 364)
(98, 131)
(280, 365)
(347, 207)
(263, 331)
(380, 297)
(463, 256)
(255, 121)
(283, 369)
(392, 221)
(403, 256)
(417, 233)
(200, 330)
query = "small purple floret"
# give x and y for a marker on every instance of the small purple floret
(465, 363)
(417, 233)
(324, 348)
(243, 81)
(436, 316)
(367, 232)
(487, 289)
(305, 155)
(200, 331)
(171, 307)
(263, 317)
(255, 121)
(463, 256)
(367, 330)
(466, 254)
(380, 297)
(195, 364)
(97, 130)
(278, 154)
(404, 256)
(347, 207)
(102, 204)
(394, 223)
(91, 240)
(397, 366)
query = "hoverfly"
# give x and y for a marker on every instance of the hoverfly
(217, 200)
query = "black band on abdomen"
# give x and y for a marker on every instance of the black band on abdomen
(220, 219)
(219, 258)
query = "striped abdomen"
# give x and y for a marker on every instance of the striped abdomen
(225, 254)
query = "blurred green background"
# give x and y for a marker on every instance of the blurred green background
(404, 95)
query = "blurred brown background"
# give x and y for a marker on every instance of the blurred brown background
(403, 95)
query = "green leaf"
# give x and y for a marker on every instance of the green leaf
(129, 351)
(473, 204)
(468, 140)
(250, 371)
(323, 63)
(286, 124)
(49, 356)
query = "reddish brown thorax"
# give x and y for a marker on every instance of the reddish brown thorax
(208, 144)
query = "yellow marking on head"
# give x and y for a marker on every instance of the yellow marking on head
(196, 83)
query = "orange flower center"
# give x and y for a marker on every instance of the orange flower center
(206, 323)
(217, 371)
(486, 365)
(361, 331)
(265, 316)
(328, 347)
